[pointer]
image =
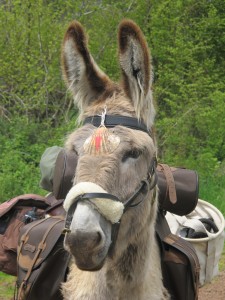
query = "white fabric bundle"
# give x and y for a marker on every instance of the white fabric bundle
(208, 249)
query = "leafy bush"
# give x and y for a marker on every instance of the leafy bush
(21, 146)
(187, 43)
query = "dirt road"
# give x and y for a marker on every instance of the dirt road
(214, 290)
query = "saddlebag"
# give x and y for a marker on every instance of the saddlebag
(179, 262)
(14, 214)
(178, 189)
(42, 260)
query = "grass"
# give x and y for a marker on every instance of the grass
(222, 261)
(212, 189)
(7, 284)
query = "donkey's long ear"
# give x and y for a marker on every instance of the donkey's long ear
(135, 59)
(82, 75)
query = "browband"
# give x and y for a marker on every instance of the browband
(113, 120)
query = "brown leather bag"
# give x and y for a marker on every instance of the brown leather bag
(179, 262)
(42, 261)
(14, 214)
(178, 189)
(64, 172)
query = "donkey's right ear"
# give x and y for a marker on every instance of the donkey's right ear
(82, 75)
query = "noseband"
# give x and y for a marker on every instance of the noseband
(146, 184)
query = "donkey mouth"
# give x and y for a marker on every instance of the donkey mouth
(89, 265)
(87, 256)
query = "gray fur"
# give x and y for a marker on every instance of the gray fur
(134, 271)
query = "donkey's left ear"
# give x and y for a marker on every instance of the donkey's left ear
(134, 57)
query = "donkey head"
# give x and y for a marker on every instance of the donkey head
(115, 147)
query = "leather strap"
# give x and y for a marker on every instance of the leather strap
(98, 195)
(86, 196)
(170, 183)
(55, 204)
(112, 121)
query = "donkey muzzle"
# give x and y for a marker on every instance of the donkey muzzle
(89, 237)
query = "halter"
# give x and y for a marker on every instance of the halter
(146, 184)
(112, 121)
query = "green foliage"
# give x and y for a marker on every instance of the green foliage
(212, 189)
(190, 82)
(19, 159)
(21, 146)
(187, 42)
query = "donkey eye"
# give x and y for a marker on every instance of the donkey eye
(134, 153)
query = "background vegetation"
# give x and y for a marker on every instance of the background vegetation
(187, 42)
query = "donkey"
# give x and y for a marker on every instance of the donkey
(112, 206)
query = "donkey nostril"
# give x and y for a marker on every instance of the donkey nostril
(99, 238)
(96, 238)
